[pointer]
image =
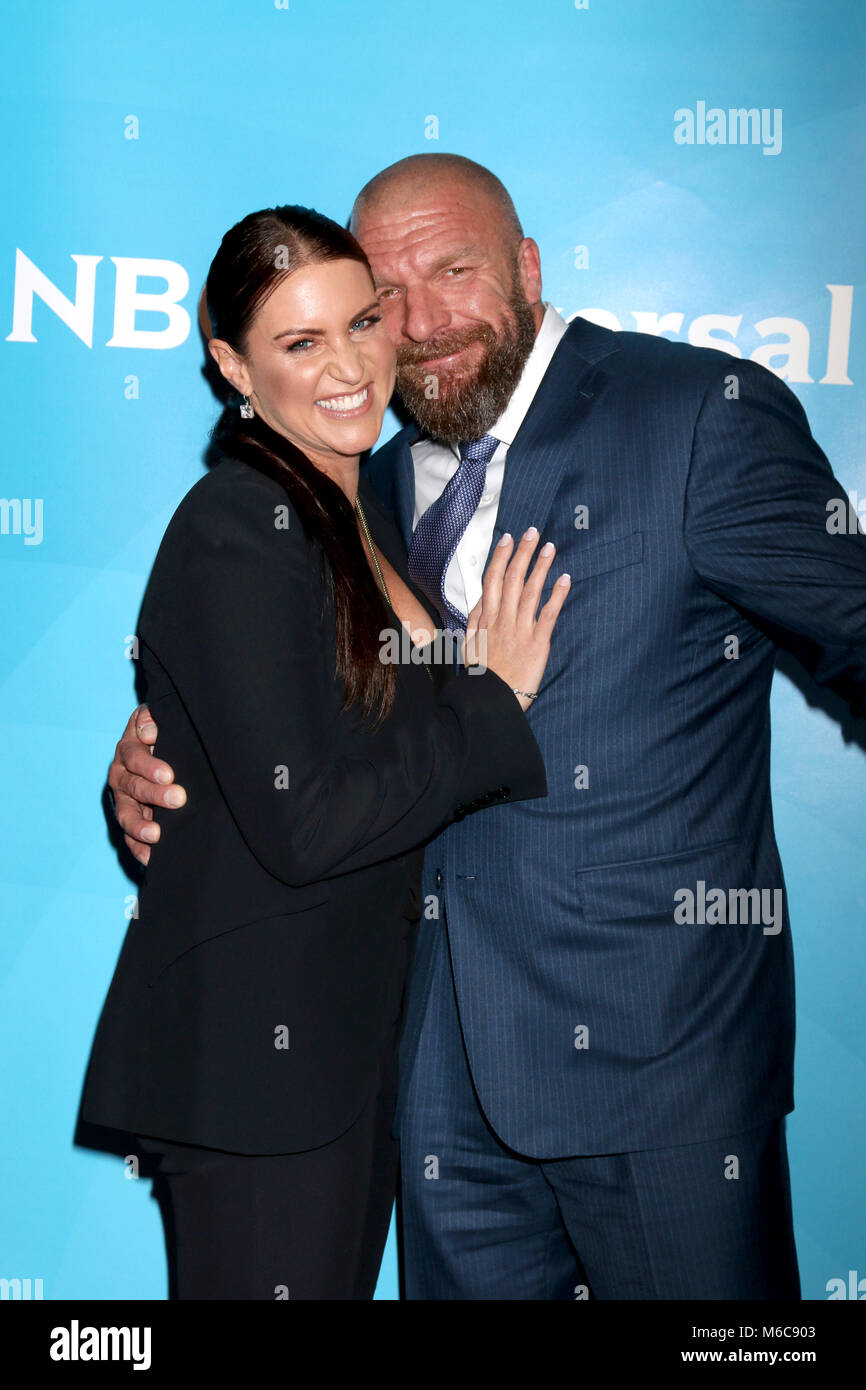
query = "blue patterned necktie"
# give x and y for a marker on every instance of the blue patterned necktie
(440, 529)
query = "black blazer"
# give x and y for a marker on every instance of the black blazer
(253, 992)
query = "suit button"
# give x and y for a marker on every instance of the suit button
(438, 878)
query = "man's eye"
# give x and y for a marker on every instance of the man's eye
(387, 293)
(456, 270)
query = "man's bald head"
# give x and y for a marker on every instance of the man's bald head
(458, 284)
(421, 176)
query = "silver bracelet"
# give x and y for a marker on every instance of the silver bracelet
(529, 694)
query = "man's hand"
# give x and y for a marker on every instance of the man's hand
(138, 782)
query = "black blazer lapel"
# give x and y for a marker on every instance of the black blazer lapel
(384, 531)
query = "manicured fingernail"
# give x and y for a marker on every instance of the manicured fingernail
(148, 727)
(174, 797)
(533, 531)
(504, 539)
(564, 579)
(161, 774)
(548, 548)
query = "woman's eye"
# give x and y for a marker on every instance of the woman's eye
(300, 345)
(365, 323)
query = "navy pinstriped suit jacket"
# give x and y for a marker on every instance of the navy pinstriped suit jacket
(707, 510)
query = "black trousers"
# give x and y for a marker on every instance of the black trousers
(309, 1225)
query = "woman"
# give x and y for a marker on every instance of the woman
(249, 1035)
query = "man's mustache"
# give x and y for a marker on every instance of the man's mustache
(413, 354)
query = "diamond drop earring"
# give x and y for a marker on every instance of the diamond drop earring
(247, 411)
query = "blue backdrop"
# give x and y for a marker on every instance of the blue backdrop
(135, 136)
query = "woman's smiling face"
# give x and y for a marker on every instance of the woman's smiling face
(319, 365)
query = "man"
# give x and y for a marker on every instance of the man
(598, 1052)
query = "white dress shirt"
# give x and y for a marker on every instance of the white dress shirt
(435, 463)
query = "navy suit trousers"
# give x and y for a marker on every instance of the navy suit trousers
(699, 1221)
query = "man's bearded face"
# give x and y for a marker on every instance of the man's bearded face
(461, 399)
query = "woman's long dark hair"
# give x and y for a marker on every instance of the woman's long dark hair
(253, 258)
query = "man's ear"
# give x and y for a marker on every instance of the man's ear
(529, 261)
(231, 366)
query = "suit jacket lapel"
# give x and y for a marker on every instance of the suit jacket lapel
(545, 442)
(404, 486)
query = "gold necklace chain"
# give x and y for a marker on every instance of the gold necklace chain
(369, 539)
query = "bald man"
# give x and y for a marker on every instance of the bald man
(598, 1053)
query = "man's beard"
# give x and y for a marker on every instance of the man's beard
(450, 409)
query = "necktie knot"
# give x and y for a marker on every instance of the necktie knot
(478, 450)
